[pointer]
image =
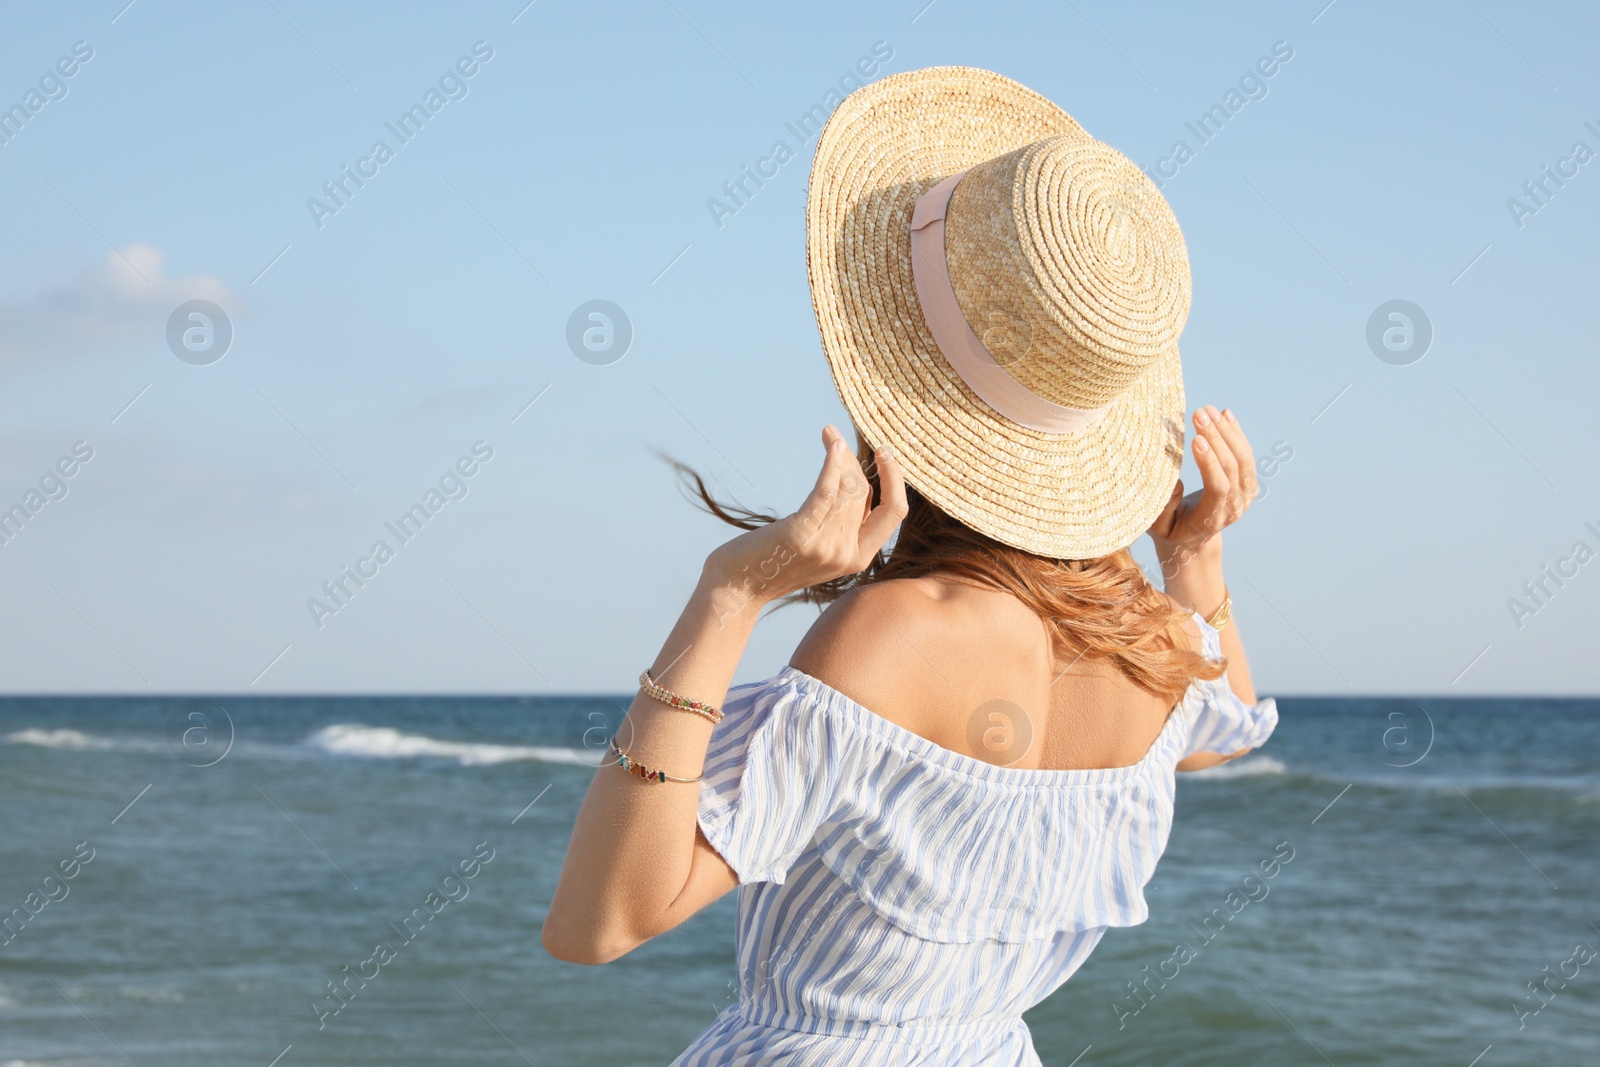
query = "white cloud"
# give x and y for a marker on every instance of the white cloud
(123, 299)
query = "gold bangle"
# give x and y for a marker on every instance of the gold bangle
(673, 700)
(1220, 617)
(639, 770)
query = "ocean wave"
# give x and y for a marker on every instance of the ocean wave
(1248, 767)
(384, 742)
(1259, 770)
(77, 741)
(1580, 788)
(72, 739)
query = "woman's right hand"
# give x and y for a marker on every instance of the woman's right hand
(1190, 525)
(835, 532)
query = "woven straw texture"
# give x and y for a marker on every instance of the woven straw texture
(1064, 258)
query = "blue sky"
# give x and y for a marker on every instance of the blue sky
(374, 346)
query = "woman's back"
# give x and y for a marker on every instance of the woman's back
(973, 671)
(895, 882)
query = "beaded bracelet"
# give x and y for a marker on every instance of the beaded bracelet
(639, 770)
(673, 700)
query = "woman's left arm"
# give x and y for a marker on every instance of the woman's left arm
(1188, 542)
(637, 865)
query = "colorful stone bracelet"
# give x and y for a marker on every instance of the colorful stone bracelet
(639, 770)
(673, 700)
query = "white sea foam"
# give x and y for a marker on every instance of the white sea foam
(1249, 767)
(342, 739)
(60, 739)
(384, 742)
(78, 741)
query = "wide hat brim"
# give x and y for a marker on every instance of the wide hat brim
(1077, 495)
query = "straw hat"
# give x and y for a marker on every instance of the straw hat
(1000, 297)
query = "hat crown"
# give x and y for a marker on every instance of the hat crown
(1069, 266)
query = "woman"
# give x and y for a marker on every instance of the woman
(964, 777)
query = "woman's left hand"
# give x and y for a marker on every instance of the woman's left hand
(835, 532)
(1227, 470)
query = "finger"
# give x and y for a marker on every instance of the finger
(1208, 421)
(813, 513)
(1211, 510)
(855, 490)
(1232, 464)
(855, 493)
(892, 505)
(1233, 433)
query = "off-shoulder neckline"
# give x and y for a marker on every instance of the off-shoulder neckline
(972, 767)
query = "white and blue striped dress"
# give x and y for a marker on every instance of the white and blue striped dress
(900, 902)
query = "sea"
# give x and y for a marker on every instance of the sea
(187, 881)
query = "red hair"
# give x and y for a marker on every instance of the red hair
(1103, 608)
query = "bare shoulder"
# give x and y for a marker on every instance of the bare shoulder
(909, 647)
(867, 627)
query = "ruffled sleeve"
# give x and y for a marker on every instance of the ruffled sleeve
(1223, 723)
(770, 779)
